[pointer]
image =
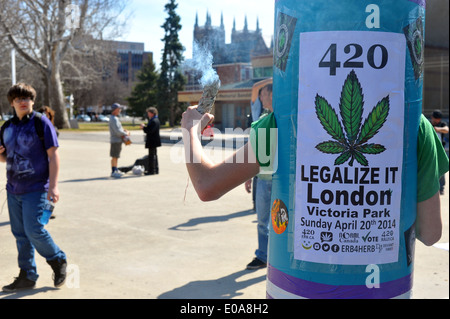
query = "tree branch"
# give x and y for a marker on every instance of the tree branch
(25, 55)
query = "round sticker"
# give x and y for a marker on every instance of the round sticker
(280, 216)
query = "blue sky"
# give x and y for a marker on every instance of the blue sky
(147, 16)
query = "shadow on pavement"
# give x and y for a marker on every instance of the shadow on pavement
(4, 224)
(103, 178)
(210, 219)
(25, 293)
(222, 288)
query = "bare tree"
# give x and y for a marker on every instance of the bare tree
(24, 71)
(43, 32)
(5, 73)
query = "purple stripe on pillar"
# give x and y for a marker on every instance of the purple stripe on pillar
(313, 290)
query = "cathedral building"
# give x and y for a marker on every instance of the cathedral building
(244, 44)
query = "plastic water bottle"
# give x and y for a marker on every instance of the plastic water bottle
(49, 206)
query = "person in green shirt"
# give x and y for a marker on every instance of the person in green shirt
(212, 180)
(263, 192)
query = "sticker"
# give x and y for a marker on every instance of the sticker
(349, 147)
(280, 216)
(414, 38)
(410, 243)
(284, 32)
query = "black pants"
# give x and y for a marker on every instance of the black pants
(153, 167)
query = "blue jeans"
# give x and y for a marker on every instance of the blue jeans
(25, 212)
(263, 206)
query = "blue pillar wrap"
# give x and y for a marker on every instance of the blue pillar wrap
(347, 97)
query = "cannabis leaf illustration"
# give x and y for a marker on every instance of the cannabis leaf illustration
(351, 145)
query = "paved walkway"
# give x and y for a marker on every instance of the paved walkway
(151, 237)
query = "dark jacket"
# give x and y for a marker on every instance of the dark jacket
(152, 130)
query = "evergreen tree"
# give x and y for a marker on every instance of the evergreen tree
(171, 80)
(144, 94)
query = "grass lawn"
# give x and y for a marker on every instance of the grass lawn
(102, 126)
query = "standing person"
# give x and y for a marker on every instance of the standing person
(50, 114)
(117, 134)
(441, 128)
(256, 111)
(263, 193)
(152, 140)
(32, 178)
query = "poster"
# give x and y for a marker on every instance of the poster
(349, 147)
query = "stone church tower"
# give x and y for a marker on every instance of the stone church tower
(244, 44)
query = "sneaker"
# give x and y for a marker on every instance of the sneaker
(256, 264)
(20, 283)
(116, 174)
(59, 271)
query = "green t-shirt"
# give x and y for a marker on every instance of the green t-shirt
(432, 161)
(263, 138)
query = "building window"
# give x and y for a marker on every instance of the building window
(265, 72)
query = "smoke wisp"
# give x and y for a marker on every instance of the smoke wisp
(202, 60)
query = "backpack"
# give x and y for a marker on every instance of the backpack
(37, 125)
